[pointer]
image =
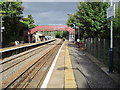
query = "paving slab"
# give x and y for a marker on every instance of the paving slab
(57, 77)
(87, 73)
(62, 75)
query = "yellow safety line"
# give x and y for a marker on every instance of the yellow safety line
(69, 75)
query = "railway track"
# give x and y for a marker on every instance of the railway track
(29, 73)
(9, 66)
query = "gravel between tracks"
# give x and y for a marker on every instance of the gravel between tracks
(21, 65)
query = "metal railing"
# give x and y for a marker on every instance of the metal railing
(99, 48)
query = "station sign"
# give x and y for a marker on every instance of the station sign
(111, 12)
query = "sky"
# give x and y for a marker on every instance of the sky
(47, 13)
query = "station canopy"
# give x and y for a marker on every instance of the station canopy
(51, 28)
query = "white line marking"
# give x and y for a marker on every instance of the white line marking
(44, 85)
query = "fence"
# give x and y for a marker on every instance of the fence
(99, 48)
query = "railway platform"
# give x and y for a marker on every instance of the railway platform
(61, 73)
(14, 50)
(74, 69)
(58, 64)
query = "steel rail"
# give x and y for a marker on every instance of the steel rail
(26, 52)
(21, 60)
(30, 67)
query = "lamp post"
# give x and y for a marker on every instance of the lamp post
(29, 37)
(1, 31)
(78, 40)
(111, 45)
(74, 27)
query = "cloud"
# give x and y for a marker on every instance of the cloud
(49, 12)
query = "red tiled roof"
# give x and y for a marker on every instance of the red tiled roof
(51, 28)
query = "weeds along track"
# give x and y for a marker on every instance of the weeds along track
(30, 71)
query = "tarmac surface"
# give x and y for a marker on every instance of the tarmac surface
(87, 73)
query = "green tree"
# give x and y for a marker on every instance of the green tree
(91, 19)
(12, 14)
(11, 8)
(93, 16)
(71, 20)
(29, 22)
(116, 21)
